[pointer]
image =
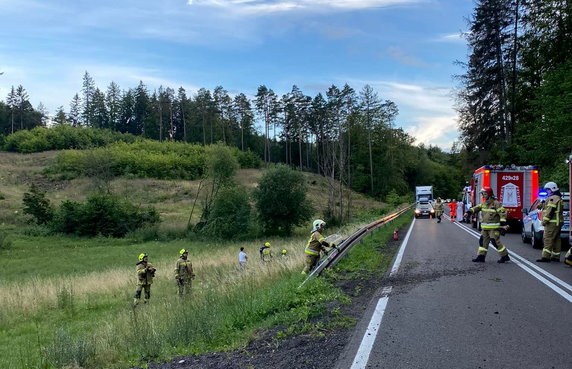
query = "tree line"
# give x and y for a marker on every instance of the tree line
(348, 136)
(515, 97)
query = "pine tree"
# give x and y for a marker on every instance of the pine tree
(244, 117)
(113, 103)
(75, 116)
(88, 92)
(60, 117)
(12, 102)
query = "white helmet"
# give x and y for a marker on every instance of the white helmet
(551, 186)
(318, 224)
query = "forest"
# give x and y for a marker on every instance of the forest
(345, 135)
(514, 99)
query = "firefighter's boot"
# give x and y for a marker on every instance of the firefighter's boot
(479, 259)
(503, 259)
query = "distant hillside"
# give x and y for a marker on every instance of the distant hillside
(172, 198)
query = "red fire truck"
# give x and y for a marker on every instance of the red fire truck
(516, 187)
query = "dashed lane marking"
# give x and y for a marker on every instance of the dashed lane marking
(364, 350)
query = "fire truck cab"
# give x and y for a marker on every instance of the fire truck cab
(516, 187)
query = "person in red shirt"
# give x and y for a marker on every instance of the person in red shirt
(453, 210)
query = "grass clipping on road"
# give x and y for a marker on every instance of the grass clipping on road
(86, 321)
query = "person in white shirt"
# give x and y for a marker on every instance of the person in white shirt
(242, 259)
(460, 211)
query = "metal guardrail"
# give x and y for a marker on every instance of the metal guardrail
(335, 256)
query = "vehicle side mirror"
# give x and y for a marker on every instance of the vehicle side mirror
(525, 211)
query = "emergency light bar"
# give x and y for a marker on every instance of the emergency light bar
(542, 193)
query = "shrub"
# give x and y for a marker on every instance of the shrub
(102, 214)
(141, 159)
(281, 200)
(393, 198)
(230, 214)
(37, 205)
(248, 159)
(62, 137)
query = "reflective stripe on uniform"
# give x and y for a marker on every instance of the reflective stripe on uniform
(547, 251)
(501, 249)
(311, 252)
(490, 225)
(482, 249)
(555, 253)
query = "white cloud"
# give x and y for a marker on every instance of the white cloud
(452, 37)
(435, 130)
(262, 7)
(57, 85)
(425, 111)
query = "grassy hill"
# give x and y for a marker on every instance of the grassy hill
(172, 198)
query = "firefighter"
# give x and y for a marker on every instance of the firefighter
(552, 220)
(438, 209)
(492, 225)
(315, 245)
(453, 210)
(265, 252)
(184, 273)
(145, 275)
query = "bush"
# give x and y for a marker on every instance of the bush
(230, 214)
(62, 137)
(38, 206)
(248, 159)
(141, 159)
(281, 200)
(102, 214)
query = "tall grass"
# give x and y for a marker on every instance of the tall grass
(86, 320)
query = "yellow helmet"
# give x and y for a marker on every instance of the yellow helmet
(267, 244)
(284, 251)
(142, 255)
(182, 252)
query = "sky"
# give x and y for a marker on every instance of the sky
(405, 49)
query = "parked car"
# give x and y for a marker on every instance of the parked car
(424, 207)
(532, 229)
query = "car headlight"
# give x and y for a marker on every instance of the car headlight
(432, 210)
(417, 211)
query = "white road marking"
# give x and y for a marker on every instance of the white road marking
(362, 355)
(364, 350)
(527, 265)
(397, 262)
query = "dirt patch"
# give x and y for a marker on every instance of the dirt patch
(307, 351)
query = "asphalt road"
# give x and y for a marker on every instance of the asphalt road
(444, 311)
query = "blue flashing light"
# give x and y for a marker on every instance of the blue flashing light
(542, 193)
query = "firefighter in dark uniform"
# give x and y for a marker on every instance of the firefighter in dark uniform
(493, 224)
(145, 275)
(184, 273)
(552, 221)
(438, 209)
(315, 245)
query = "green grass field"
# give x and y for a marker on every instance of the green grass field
(67, 301)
